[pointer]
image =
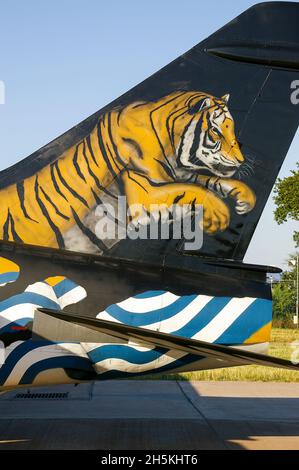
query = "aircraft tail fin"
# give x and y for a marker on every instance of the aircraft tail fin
(211, 128)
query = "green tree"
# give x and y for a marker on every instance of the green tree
(286, 198)
(284, 296)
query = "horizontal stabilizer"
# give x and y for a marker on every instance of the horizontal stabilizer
(232, 356)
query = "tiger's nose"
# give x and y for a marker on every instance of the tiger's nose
(236, 150)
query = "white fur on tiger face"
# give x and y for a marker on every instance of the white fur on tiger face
(208, 141)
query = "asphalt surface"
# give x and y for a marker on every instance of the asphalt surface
(140, 414)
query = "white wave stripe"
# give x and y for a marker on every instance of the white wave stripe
(173, 323)
(38, 354)
(122, 365)
(26, 310)
(71, 297)
(142, 347)
(8, 282)
(224, 319)
(42, 288)
(261, 348)
(16, 312)
(106, 316)
(9, 349)
(183, 317)
(149, 303)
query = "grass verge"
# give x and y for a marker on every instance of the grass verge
(280, 346)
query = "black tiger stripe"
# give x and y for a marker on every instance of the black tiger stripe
(178, 198)
(165, 168)
(137, 182)
(209, 135)
(196, 138)
(219, 111)
(88, 233)
(6, 228)
(88, 141)
(193, 204)
(119, 114)
(195, 108)
(208, 182)
(96, 197)
(117, 179)
(151, 182)
(154, 129)
(21, 196)
(187, 102)
(55, 184)
(10, 223)
(92, 174)
(173, 124)
(103, 151)
(138, 105)
(65, 217)
(109, 193)
(113, 219)
(118, 158)
(43, 208)
(201, 96)
(206, 143)
(15, 235)
(171, 137)
(221, 190)
(111, 155)
(231, 191)
(96, 180)
(134, 145)
(211, 124)
(69, 188)
(214, 183)
(75, 162)
(180, 151)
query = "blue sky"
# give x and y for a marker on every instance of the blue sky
(63, 60)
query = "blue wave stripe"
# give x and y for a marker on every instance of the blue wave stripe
(28, 298)
(212, 308)
(125, 352)
(183, 361)
(9, 277)
(140, 319)
(19, 322)
(63, 287)
(71, 362)
(149, 293)
(18, 353)
(258, 314)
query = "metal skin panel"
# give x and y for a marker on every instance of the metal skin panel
(211, 128)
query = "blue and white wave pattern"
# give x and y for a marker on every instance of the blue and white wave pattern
(222, 320)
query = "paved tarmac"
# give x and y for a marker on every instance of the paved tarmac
(141, 414)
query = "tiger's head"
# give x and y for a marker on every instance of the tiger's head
(204, 136)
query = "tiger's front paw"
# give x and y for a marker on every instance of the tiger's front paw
(216, 216)
(245, 199)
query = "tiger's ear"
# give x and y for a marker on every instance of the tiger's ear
(206, 103)
(225, 98)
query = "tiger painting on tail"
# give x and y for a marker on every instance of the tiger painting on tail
(156, 150)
